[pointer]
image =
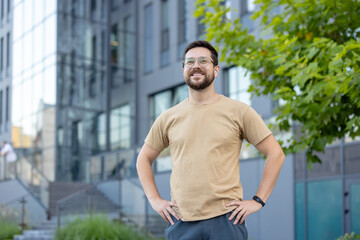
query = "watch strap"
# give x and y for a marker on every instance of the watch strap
(257, 199)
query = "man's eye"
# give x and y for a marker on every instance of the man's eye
(190, 62)
(203, 60)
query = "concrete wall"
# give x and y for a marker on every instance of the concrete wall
(276, 219)
(12, 191)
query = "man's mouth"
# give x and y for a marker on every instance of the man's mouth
(197, 74)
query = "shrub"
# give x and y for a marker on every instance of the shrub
(8, 229)
(351, 236)
(8, 225)
(98, 228)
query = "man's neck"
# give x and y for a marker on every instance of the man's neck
(202, 97)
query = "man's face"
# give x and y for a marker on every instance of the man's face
(198, 77)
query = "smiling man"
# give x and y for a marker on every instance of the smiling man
(205, 133)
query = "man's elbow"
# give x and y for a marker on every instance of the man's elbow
(281, 157)
(141, 162)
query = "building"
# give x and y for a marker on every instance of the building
(88, 78)
(6, 35)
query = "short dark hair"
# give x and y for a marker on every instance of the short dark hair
(203, 44)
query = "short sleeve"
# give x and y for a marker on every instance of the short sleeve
(254, 128)
(157, 137)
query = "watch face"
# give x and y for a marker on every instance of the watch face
(257, 199)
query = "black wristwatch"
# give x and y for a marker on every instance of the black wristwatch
(257, 199)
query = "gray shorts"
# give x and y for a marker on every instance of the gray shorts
(217, 228)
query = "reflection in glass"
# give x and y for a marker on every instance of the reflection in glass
(324, 218)
(120, 127)
(299, 211)
(352, 159)
(238, 84)
(162, 101)
(355, 207)
(148, 23)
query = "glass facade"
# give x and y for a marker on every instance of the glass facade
(238, 81)
(34, 82)
(183, 19)
(94, 105)
(148, 24)
(324, 214)
(165, 33)
(355, 207)
(323, 191)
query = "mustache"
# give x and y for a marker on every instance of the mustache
(196, 71)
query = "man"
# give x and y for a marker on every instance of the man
(9, 160)
(205, 133)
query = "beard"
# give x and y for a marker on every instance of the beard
(198, 85)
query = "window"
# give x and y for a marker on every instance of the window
(60, 136)
(73, 18)
(7, 50)
(72, 88)
(299, 211)
(2, 54)
(128, 56)
(247, 8)
(165, 33)
(1, 109)
(93, 6)
(101, 131)
(120, 127)
(2, 10)
(7, 97)
(93, 49)
(76, 137)
(182, 16)
(114, 44)
(114, 4)
(103, 8)
(352, 158)
(325, 219)
(166, 99)
(238, 82)
(103, 46)
(92, 85)
(200, 27)
(148, 65)
(8, 6)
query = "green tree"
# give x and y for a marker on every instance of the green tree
(309, 57)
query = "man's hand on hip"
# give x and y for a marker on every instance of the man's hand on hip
(164, 208)
(244, 209)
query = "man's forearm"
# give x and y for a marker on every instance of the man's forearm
(270, 175)
(146, 176)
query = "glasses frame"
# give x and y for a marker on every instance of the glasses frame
(197, 60)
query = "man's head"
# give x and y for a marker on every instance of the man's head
(202, 44)
(200, 65)
(3, 143)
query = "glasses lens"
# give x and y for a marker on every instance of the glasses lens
(189, 62)
(203, 61)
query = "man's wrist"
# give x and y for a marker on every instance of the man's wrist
(259, 200)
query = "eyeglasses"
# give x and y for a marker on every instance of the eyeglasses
(202, 61)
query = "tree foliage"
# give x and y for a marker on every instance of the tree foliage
(308, 56)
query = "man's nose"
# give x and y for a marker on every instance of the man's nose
(196, 64)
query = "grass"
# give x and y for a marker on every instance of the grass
(98, 228)
(8, 229)
(8, 225)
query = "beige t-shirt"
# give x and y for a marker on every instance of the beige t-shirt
(205, 143)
